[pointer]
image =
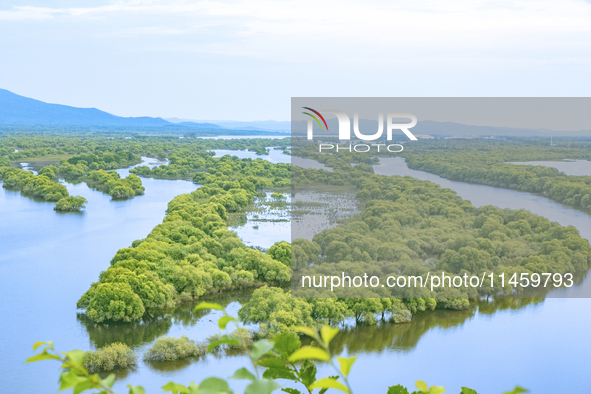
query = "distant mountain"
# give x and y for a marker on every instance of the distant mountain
(258, 125)
(17, 110)
(269, 125)
(199, 125)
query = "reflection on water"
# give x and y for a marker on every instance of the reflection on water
(132, 334)
(522, 338)
(404, 337)
(177, 321)
(165, 367)
(120, 374)
(403, 346)
(28, 167)
(268, 222)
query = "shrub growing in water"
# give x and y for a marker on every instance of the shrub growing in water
(39, 186)
(70, 203)
(169, 349)
(244, 335)
(113, 356)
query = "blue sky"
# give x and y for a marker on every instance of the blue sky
(243, 60)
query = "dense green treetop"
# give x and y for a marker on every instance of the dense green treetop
(110, 182)
(486, 163)
(39, 186)
(70, 203)
(190, 254)
(405, 227)
(202, 168)
(407, 224)
(99, 144)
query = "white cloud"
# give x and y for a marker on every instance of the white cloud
(306, 17)
(236, 44)
(292, 28)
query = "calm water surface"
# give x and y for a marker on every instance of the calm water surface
(266, 225)
(47, 260)
(569, 167)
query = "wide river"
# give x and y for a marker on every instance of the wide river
(47, 260)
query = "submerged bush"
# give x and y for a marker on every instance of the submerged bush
(169, 349)
(113, 301)
(113, 356)
(39, 186)
(110, 182)
(244, 335)
(71, 203)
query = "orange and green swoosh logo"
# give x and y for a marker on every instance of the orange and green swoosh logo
(315, 118)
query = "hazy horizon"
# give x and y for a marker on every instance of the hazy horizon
(436, 115)
(245, 60)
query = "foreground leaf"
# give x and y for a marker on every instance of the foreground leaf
(422, 386)
(109, 380)
(214, 386)
(308, 331)
(276, 368)
(307, 373)
(243, 373)
(208, 305)
(175, 387)
(224, 320)
(262, 387)
(291, 391)
(260, 348)
(327, 333)
(398, 389)
(436, 390)
(286, 343)
(346, 364)
(325, 389)
(517, 390)
(309, 352)
(37, 344)
(224, 341)
(328, 383)
(272, 362)
(75, 357)
(69, 379)
(279, 373)
(42, 356)
(86, 384)
(136, 389)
